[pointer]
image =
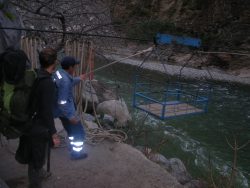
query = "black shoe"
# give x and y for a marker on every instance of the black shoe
(77, 156)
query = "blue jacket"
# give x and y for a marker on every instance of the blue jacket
(65, 105)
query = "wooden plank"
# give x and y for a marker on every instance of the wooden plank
(171, 110)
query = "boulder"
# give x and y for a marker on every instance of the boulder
(3, 184)
(179, 171)
(9, 18)
(196, 184)
(103, 92)
(108, 121)
(91, 125)
(117, 109)
(174, 166)
(88, 117)
(160, 159)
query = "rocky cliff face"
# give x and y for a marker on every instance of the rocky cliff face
(222, 24)
(9, 18)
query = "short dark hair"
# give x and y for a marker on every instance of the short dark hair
(66, 67)
(68, 61)
(47, 57)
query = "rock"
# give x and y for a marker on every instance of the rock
(103, 92)
(117, 109)
(225, 57)
(219, 60)
(91, 125)
(244, 73)
(88, 117)
(9, 37)
(196, 184)
(160, 159)
(181, 59)
(3, 184)
(108, 120)
(145, 150)
(176, 168)
(179, 171)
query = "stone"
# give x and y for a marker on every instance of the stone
(160, 159)
(3, 184)
(109, 120)
(9, 38)
(196, 184)
(88, 117)
(103, 92)
(117, 109)
(179, 171)
(91, 125)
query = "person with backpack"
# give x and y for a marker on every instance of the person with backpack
(42, 133)
(65, 107)
(16, 80)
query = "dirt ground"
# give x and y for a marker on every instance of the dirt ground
(109, 165)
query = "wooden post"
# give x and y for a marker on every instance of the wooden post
(92, 63)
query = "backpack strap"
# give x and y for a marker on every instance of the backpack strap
(1, 98)
(33, 102)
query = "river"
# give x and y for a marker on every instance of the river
(200, 141)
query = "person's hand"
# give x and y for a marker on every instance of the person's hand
(74, 120)
(56, 140)
(83, 77)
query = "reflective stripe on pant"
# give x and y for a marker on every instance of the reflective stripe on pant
(75, 133)
(76, 145)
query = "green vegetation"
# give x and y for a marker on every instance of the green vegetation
(220, 24)
(140, 134)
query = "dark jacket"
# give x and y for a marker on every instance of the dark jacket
(44, 98)
(32, 148)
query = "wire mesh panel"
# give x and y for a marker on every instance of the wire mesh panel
(168, 100)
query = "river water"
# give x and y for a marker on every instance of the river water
(200, 141)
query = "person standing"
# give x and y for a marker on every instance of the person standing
(42, 133)
(65, 107)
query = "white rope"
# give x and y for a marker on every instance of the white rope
(114, 62)
(99, 134)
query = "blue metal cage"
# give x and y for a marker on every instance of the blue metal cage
(169, 100)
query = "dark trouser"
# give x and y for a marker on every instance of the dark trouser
(32, 150)
(39, 147)
(75, 133)
(35, 179)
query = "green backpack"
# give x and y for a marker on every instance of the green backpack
(15, 112)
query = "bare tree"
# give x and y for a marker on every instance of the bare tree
(81, 16)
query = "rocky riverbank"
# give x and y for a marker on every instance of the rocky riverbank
(109, 165)
(208, 73)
